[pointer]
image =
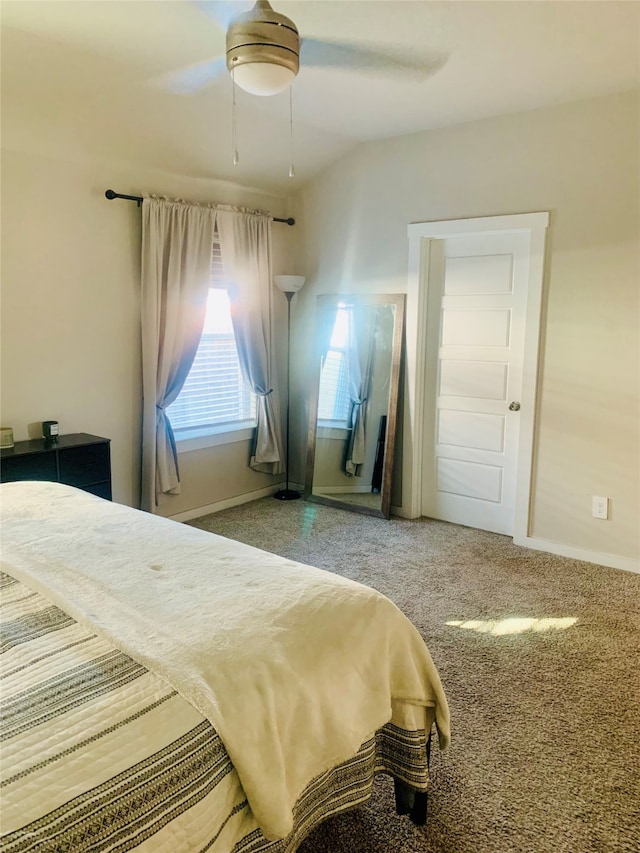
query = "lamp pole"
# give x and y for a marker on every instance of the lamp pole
(288, 494)
(289, 285)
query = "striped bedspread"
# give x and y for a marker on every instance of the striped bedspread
(99, 754)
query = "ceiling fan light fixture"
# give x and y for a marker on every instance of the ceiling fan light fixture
(263, 50)
(263, 78)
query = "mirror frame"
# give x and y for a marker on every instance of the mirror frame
(397, 300)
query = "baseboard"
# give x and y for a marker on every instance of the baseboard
(190, 514)
(601, 558)
(342, 490)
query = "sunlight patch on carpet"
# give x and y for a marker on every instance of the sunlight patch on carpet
(514, 624)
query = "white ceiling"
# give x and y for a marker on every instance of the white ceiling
(94, 74)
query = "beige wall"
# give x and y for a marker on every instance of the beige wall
(70, 341)
(70, 311)
(578, 161)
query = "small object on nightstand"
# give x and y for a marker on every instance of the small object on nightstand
(50, 431)
(6, 437)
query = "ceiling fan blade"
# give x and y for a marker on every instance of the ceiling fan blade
(370, 59)
(222, 11)
(188, 81)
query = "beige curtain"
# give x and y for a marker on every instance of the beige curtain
(360, 347)
(245, 246)
(177, 240)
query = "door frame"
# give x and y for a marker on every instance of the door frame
(421, 235)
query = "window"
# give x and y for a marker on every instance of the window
(215, 394)
(334, 402)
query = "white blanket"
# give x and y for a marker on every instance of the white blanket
(295, 667)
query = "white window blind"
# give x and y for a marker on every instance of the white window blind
(215, 392)
(334, 403)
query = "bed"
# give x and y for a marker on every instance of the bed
(165, 689)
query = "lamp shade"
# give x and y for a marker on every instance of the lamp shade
(289, 283)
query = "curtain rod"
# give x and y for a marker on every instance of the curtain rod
(110, 194)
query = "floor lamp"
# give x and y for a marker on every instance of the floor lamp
(289, 285)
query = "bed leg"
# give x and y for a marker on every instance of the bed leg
(418, 813)
(404, 797)
(411, 802)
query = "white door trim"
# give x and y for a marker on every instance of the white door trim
(420, 236)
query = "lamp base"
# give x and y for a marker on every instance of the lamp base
(287, 495)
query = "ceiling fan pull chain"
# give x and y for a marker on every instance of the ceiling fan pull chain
(234, 134)
(292, 173)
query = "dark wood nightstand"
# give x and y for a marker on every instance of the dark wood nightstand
(78, 459)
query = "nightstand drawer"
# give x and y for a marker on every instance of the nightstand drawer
(83, 466)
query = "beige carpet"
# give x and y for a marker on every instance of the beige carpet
(545, 754)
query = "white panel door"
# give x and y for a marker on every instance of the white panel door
(475, 345)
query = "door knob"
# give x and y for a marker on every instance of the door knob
(514, 406)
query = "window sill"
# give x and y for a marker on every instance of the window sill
(200, 437)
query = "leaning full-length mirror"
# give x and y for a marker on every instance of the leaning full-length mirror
(353, 411)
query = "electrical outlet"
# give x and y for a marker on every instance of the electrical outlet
(599, 507)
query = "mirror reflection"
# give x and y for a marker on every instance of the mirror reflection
(353, 411)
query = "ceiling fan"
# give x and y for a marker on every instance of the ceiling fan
(264, 49)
